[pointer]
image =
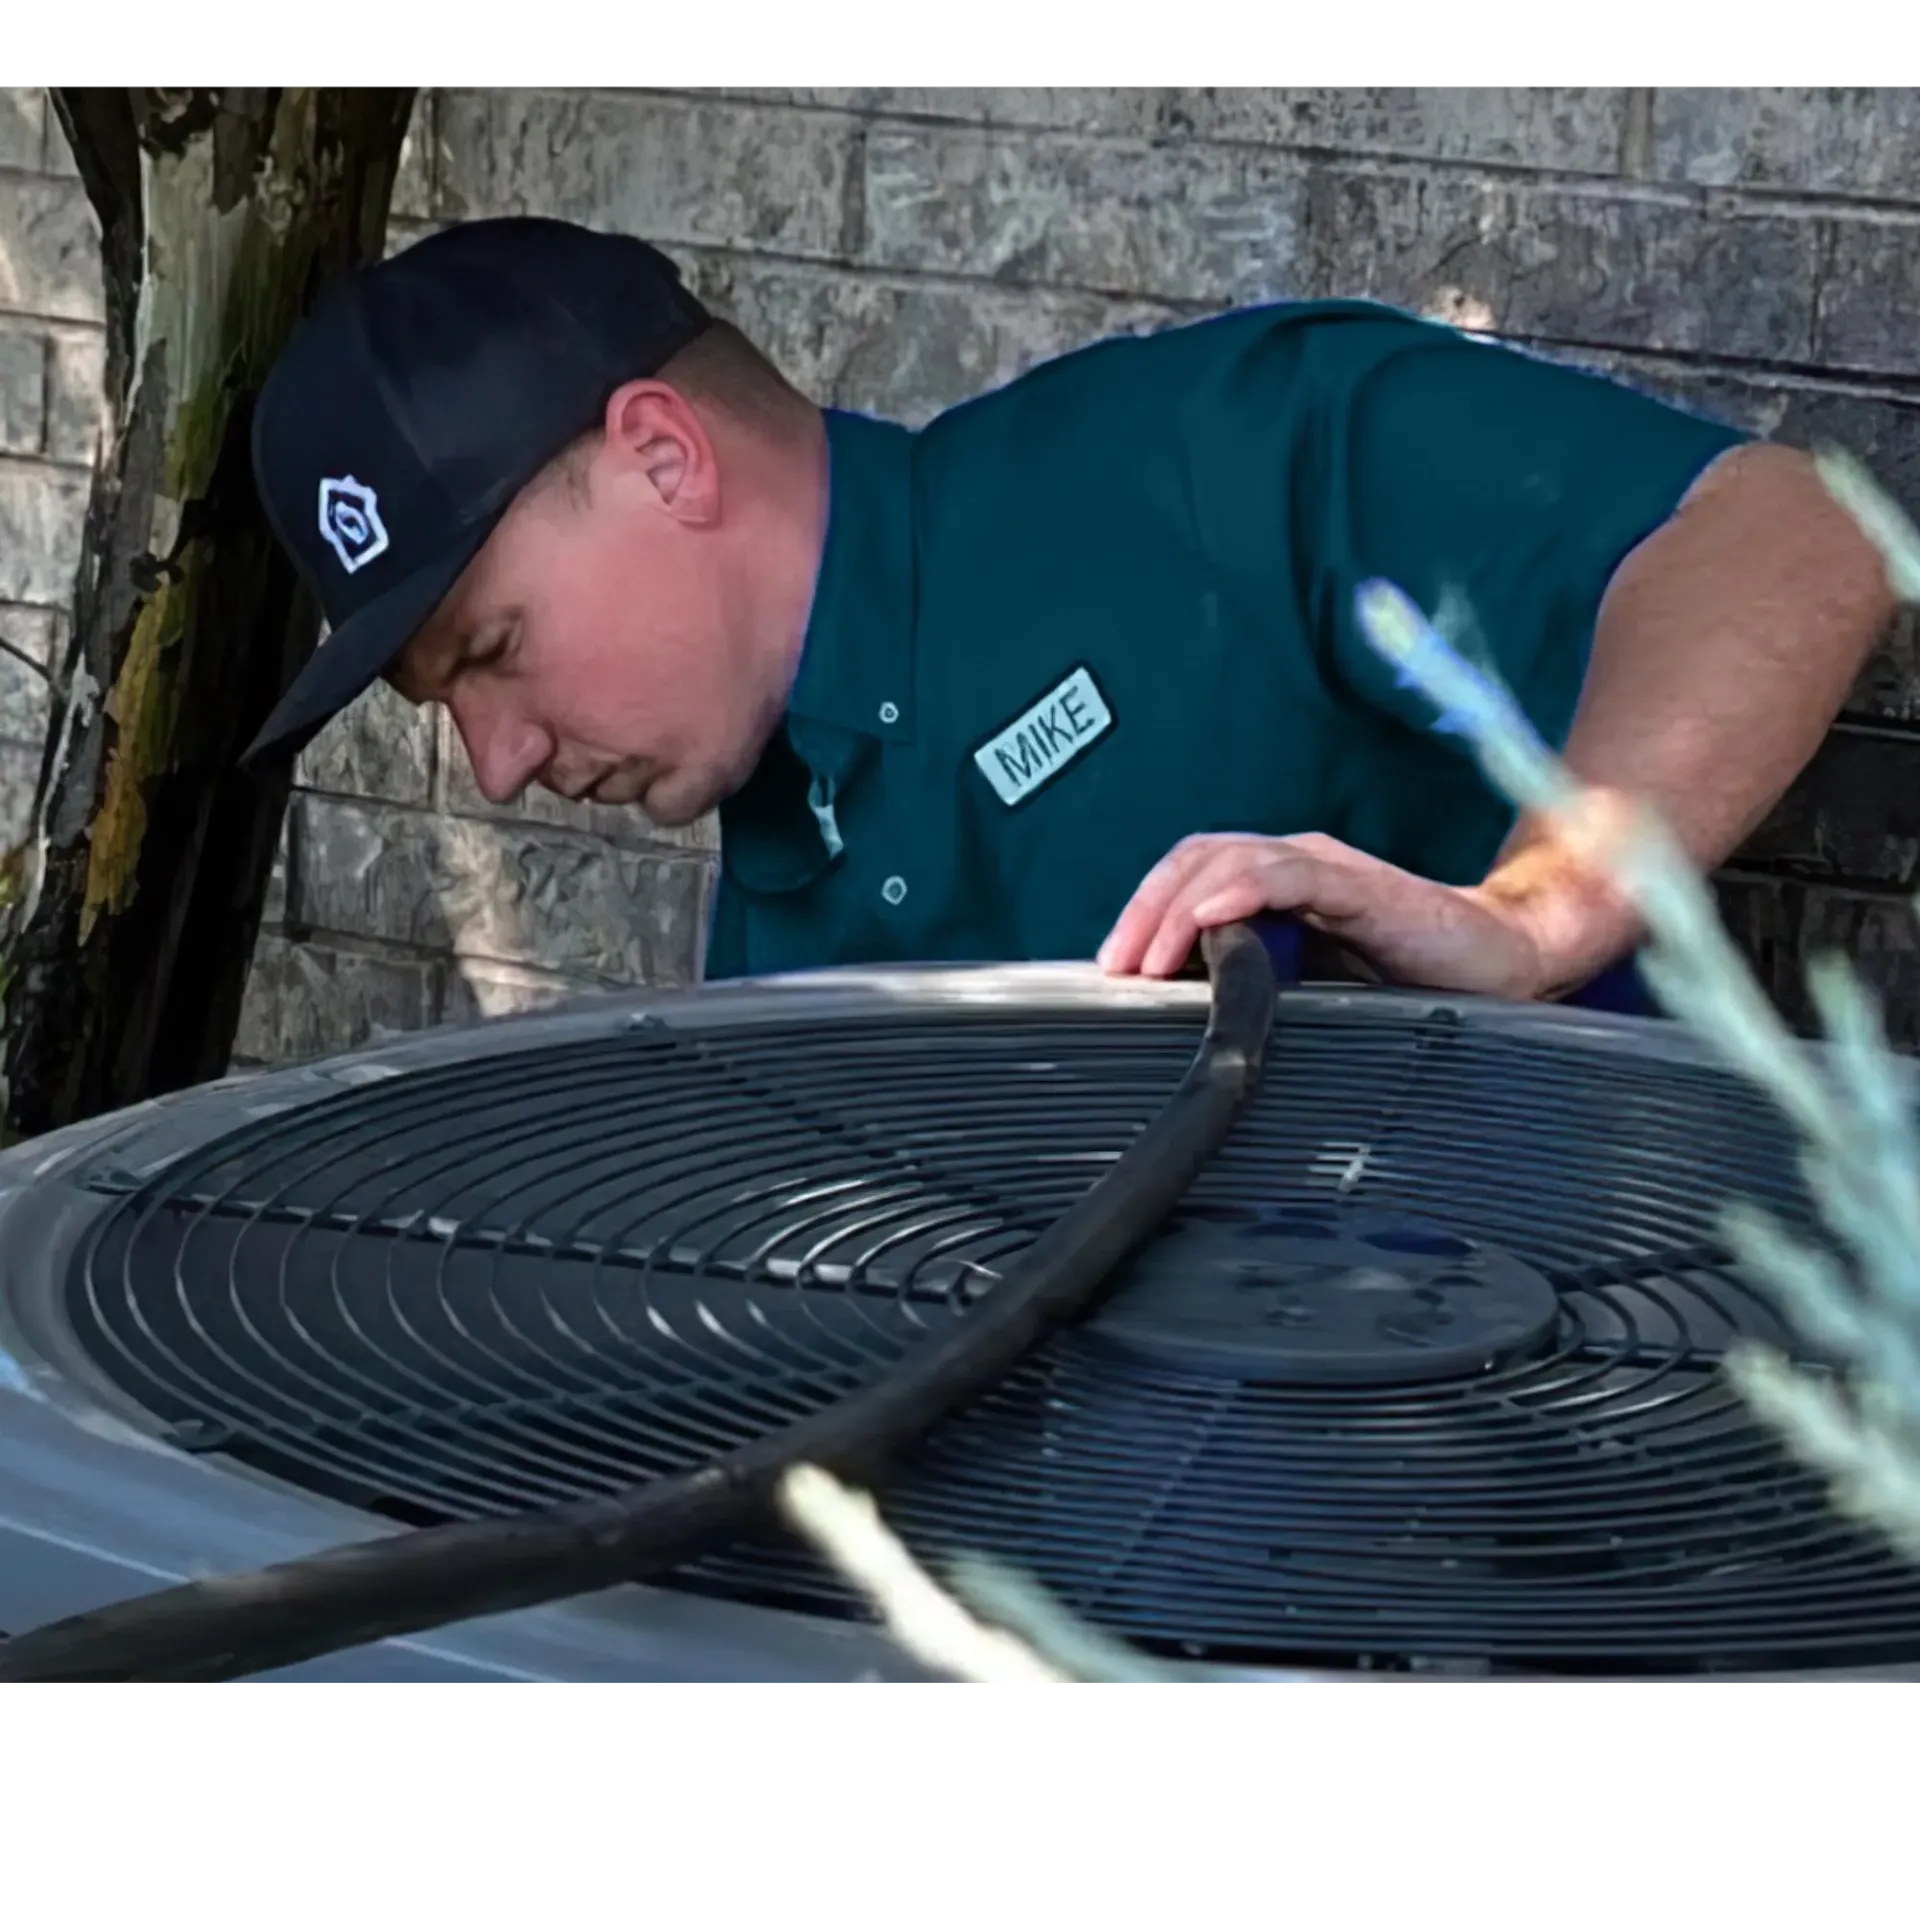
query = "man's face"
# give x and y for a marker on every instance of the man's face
(601, 643)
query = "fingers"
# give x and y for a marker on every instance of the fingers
(1125, 947)
(1230, 887)
(1403, 927)
(1237, 899)
(1208, 882)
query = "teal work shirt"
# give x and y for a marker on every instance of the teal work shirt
(1111, 604)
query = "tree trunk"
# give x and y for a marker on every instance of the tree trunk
(136, 898)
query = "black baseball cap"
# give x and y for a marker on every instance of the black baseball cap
(415, 402)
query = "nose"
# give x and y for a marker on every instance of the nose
(506, 749)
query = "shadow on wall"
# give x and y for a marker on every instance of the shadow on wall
(26, 652)
(457, 943)
(409, 899)
(313, 993)
(380, 901)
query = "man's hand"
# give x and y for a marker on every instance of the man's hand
(1725, 645)
(1410, 931)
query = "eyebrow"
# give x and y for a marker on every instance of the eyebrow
(420, 687)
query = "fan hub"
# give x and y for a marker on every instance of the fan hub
(1324, 1295)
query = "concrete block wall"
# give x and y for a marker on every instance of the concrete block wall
(1752, 253)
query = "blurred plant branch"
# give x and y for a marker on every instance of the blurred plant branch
(1852, 1103)
(845, 1528)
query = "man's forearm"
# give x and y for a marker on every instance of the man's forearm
(1727, 642)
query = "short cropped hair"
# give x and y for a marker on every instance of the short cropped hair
(720, 368)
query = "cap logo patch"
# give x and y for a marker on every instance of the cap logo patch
(350, 522)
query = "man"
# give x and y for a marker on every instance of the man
(1075, 669)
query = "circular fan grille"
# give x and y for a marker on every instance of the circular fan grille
(522, 1279)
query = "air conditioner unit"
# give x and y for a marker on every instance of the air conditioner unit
(1423, 1377)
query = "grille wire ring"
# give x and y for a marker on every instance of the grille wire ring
(226, 1627)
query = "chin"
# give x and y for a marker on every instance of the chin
(670, 804)
(681, 795)
(666, 816)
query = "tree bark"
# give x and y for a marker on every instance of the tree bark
(136, 899)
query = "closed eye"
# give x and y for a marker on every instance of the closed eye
(492, 652)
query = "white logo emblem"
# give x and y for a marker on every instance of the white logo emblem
(350, 522)
(1050, 733)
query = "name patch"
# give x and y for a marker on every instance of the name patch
(1056, 728)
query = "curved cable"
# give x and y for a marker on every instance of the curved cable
(235, 1624)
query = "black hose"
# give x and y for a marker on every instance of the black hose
(220, 1628)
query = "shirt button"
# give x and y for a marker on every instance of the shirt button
(894, 890)
(889, 713)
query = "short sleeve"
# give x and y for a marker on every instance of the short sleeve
(1500, 490)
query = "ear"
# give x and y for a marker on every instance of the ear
(656, 440)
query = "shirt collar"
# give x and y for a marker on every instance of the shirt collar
(856, 667)
(854, 686)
